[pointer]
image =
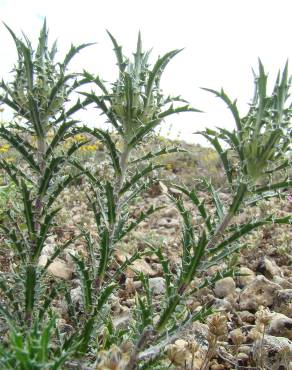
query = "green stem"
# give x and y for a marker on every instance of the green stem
(41, 150)
(183, 286)
(118, 198)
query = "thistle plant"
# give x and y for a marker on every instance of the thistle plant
(202, 247)
(259, 145)
(134, 106)
(219, 237)
(38, 95)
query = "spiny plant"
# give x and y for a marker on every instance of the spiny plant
(204, 245)
(38, 95)
(134, 106)
(219, 237)
(259, 145)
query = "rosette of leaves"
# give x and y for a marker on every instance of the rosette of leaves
(135, 104)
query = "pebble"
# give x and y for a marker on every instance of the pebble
(242, 281)
(260, 292)
(60, 269)
(276, 352)
(268, 268)
(224, 287)
(280, 326)
(157, 285)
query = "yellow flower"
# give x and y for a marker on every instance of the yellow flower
(10, 159)
(79, 137)
(168, 166)
(4, 148)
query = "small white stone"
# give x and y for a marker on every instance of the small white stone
(280, 326)
(157, 285)
(224, 287)
(242, 281)
(272, 356)
(269, 268)
(60, 269)
(43, 261)
(260, 292)
(76, 295)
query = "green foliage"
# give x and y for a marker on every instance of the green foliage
(134, 106)
(32, 350)
(261, 141)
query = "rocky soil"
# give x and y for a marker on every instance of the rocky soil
(256, 306)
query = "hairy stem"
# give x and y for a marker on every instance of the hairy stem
(118, 186)
(142, 342)
(118, 202)
(41, 149)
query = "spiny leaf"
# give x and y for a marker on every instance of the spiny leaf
(159, 153)
(222, 153)
(157, 70)
(99, 101)
(173, 110)
(59, 136)
(119, 55)
(141, 217)
(231, 105)
(106, 139)
(51, 170)
(72, 52)
(104, 295)
(111, 204)
(86, 282)
(247, 228)
(28, 210)
(139, 175)
(30, 290)
(20, 146)
(199, 204)
(104, 254)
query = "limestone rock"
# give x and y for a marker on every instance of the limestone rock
(222, 305)
(200, 332)
(277, 352)
(142, 266)
(48, 250)
(122, 320)
(60, 269)
(43, 260)
(283, 302)
(76, 295)
(168, 223)
(246, 317)
(268, 268)
(157, 285)
(260, 292)
(224, 287)
(280, 326)
(139, 265)
(285, 283)
(170, 212)
(242, 281)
